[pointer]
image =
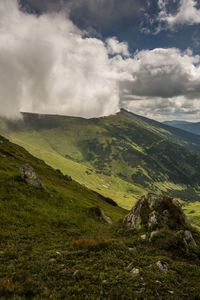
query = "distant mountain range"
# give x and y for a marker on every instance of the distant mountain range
(121, 156)
(187, 126)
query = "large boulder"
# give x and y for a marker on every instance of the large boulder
(156, 211)
(29, 175)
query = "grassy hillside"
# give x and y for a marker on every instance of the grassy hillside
(54, 246)
(187, 126)
(121, 156)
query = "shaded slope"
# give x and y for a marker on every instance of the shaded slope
(177, 135)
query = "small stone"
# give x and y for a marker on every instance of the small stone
(1, 253)
(58, 253)
(189, 239)
(135, 272)
(104, 281)
(143, 237)
(154, 235)
(162, 266)
(63, 271)
(75, 273)
(52, 260)
(132, 249)
(171, 292)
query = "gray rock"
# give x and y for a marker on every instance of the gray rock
(133, 219)
(143, 237)
(29, 175)
(154, 212)
(154, 235)
(171, 292)
(162, 266)
(189, 239)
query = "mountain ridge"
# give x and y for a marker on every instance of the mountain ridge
(121, 157)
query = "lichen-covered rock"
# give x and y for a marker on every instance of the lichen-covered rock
(133, 219)
(153, 219)
(29, 175)
(156, 211)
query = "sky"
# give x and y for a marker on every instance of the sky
(90, 58)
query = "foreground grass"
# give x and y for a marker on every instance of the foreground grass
(52, 245)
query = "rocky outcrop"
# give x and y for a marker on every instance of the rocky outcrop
(29, 175)
(156, 211)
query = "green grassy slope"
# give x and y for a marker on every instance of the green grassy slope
(53, 247)
(121, 156)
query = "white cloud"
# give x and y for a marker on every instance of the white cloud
(160, 82)
(49, 66)
(115, 47)
(187, 13)
(170, 109)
